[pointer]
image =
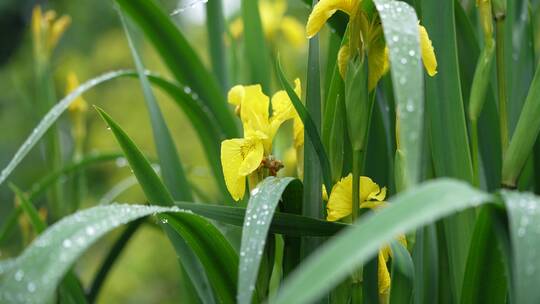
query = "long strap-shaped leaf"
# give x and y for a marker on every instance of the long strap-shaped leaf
(188, 243)
(524, 223)
(51, 118)
(448, 130)
(400, 26)
(407, 211)
(171, 168)
(34, 275)
(309, 125)
(180, 57)
(527, 129)
(259, 213)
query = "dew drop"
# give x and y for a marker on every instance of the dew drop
(31, 287)
(412, 53)
(19, 275)
(67, 243)
(403, 60)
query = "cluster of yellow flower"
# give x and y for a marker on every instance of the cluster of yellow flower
(251, 155)
(247, 156)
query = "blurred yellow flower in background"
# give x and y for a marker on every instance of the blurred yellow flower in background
(47, 30)
(274, 23)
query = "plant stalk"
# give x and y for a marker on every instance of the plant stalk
(501, 82)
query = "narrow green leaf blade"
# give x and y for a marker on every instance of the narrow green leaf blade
(50, 118)
(400, 26)
(214, 252)
(524, 221)
(310, 127)
(282, 223)
(152, 186)
(259, 213)
(525, 134)
(407, 211)
(180, 58)
(172, 171)
(257, 54)
(34, 275)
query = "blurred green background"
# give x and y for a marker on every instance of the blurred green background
(93, 44)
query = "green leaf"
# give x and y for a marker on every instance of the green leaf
(33, 276)
(282, 223)
(152, 186)
(407, 211)
(156, 192)
(525, 134)
(210, 134)
(180, 58)
(259, 213)
(215, 25)
(400, 26)
(257, 54)
(172, 171)
(401, 288)
(37, 223)
(485, 278)
(310, 127)
(448, 130)
(211, 249)
(523, 211)
(51, 117)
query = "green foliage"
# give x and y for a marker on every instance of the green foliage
(456, 175)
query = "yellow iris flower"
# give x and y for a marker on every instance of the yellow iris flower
(371, 197)
(373, 41)
(241, 157)
(274, 22)
(47, 29)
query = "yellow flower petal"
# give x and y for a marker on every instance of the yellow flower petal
(340, 201)
(239, 158)
(324, 10)
(298, 131)
(370, 190)
(236, 27)
(236, 95)
(36, 26)
(384, 276)
(57, 30)
(79, 105)
(428, 53)
(293, 31)
(271, 13)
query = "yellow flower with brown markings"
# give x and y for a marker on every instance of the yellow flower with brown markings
(241, 157)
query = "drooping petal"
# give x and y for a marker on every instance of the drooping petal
(340, 200)
(324, 10)
(252, 152)
(428, 53)
(383, 276)
(370, 190)
(238, 158)
(298, 132)
(236, 95)
(293, 31)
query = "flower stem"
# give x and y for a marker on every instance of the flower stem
(474, 152)
(501, 82)
(357, 165)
